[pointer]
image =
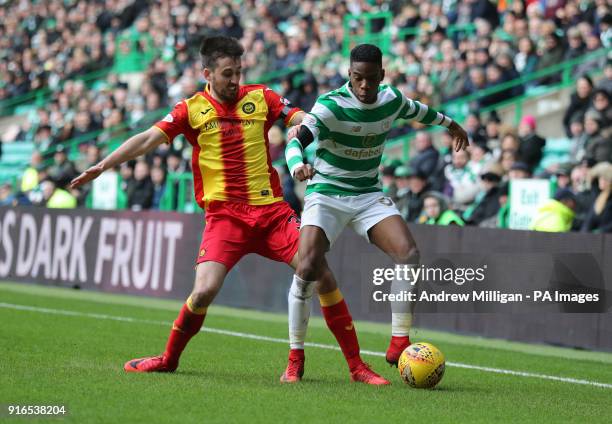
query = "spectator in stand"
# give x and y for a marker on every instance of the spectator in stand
(436, 211)
(389, 186)
(599, 217)
(551, 54)
(507, 159)
(141, 196)
(578, 139)
(575, 47)
(598, 141)
(308, 92)
(427, 155)
(462, 184)
(7, 198)
(411, 187)
(176, 163)
(526, 60)
(531, 144)
(445, 158)
(473, 126)
(494, 78)
(593, 43)
(606, 82)
(556, 215)
(126, 171)
(493, 132)
(276, 141)
(562, 175)
(56, 197)
(477, 82)
(486, 204)
(29, 178)
(579, 103)
(581, 188)
(158, 178)
(518, 171)
(480, 157)
(603, 105)
(401, 180)
(62, 171)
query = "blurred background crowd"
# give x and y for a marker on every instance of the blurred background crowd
(144, 58)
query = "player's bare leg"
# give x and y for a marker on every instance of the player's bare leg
(313, 267)
(208, 281)
(393, 237)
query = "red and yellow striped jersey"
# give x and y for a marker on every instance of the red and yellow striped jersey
(231, 158)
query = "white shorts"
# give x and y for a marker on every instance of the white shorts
(332, 213)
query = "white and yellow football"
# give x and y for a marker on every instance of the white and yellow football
(421, 365)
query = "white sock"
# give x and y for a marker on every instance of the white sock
(300, 299)
(402, 311)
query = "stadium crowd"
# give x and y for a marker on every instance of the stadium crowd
(459, 48)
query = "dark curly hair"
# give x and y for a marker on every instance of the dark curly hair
(213, 48)
(366, 53)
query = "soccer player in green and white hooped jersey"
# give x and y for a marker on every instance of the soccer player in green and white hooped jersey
(351, 124)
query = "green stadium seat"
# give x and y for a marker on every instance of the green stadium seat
(556, 150)
(9, 173)
(17, 154)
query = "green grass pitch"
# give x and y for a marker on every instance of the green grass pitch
(66, 347)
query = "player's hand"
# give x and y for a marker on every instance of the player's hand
(87, 175)
(304, 172)
(460, 137)
(293, 132)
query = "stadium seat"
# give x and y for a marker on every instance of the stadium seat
(556, 150)
(16, 154)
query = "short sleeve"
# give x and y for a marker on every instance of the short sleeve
(279, 107)
(176, 122)
(318, 119)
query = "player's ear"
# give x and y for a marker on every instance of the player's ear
(207, 72)
(382, 74)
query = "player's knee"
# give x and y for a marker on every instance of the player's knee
(406, 252)
(310, 266)
(326, 283)
(202, 298)
(204, 293)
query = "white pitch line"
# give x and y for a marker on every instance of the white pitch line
(284, 341)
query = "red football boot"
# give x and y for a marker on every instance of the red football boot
(363, 374)
(295, 367)
(150, 364)
(396, 347)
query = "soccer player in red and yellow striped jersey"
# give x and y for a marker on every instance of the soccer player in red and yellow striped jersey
(234, 182)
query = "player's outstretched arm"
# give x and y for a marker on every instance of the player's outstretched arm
(133, 147)
(416, 111)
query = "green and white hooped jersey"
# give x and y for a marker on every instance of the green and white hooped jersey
(352, 137)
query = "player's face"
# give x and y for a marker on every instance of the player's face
(224, 78)
(365, 78)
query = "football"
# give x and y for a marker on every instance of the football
(421, 365)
